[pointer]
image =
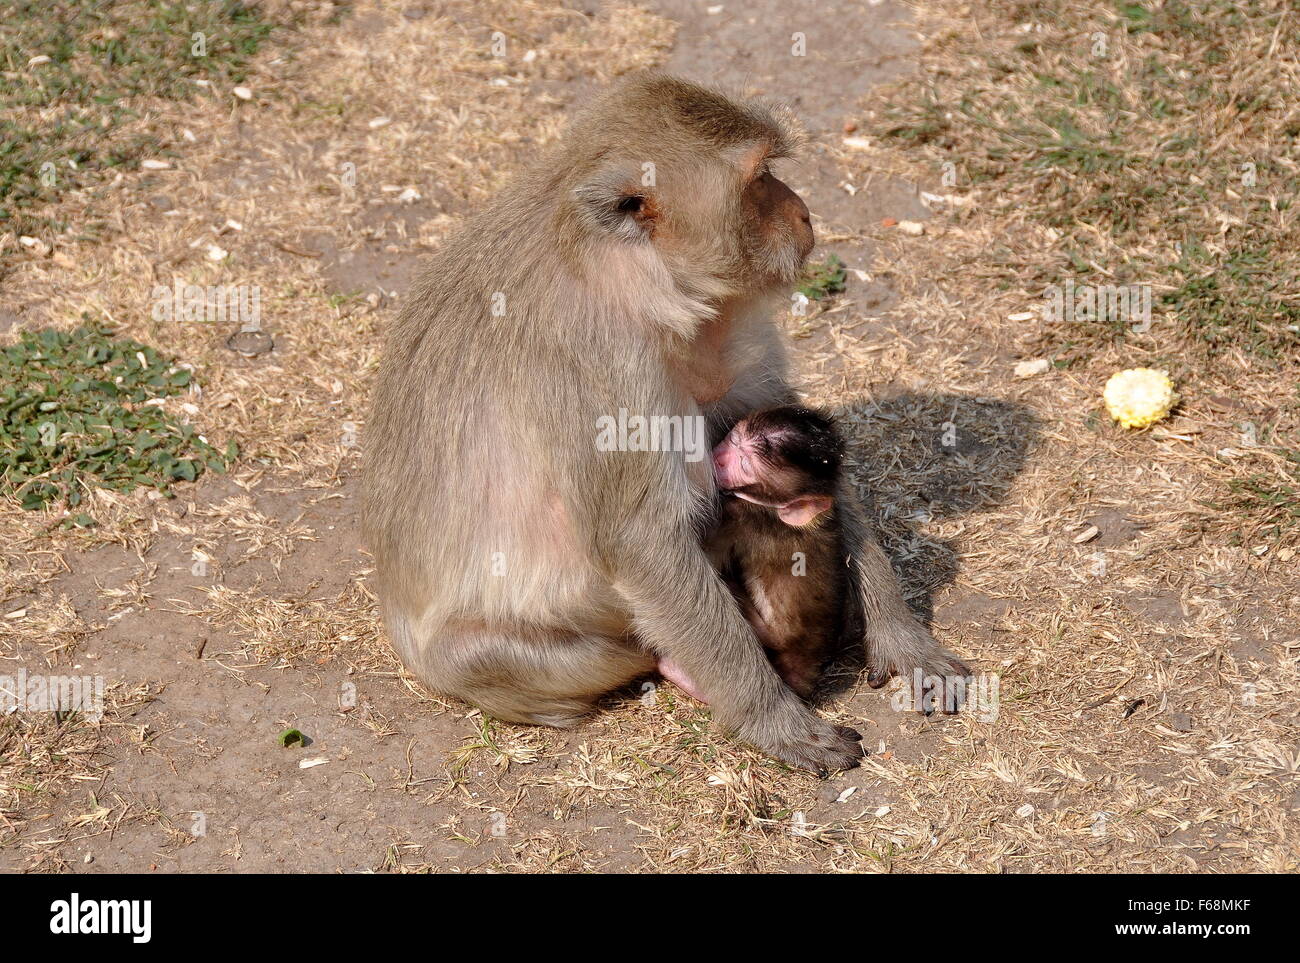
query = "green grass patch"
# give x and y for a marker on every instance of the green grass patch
(85, 112)
(75, 412)
(1151, 143)
(1275, 503)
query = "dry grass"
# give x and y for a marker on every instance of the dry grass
(1147, 717)
(1144, 144)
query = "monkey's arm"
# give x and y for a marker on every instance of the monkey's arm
(896, 642)
(681, 610)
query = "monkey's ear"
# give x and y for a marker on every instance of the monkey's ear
(804, 509)
(617, 203)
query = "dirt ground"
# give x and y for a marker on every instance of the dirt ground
(1147, 713)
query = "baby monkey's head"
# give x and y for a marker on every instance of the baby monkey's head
(787, 458)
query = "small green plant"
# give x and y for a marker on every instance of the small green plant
(822, 280)
(81, 408)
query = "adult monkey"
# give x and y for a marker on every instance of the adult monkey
(519, 567)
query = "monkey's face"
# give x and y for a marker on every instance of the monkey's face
(681, 173)
(731, 220)
(747, 466)
(737, 460)
(786, 458)
(755, 466)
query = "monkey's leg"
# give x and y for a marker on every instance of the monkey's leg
(535, 676)
(896, 642)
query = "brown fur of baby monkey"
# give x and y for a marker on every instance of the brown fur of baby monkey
(777, 543)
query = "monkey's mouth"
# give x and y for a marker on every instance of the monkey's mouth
(784, 266)
(754, 498)
(807, 246)
(778, 263)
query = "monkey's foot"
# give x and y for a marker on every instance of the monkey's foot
(796, 735)
(671, 671)
(907, 647)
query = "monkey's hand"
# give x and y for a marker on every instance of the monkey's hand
(796, 735)
(904, 647)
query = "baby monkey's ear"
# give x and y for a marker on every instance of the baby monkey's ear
(805, 509)
(617, 202)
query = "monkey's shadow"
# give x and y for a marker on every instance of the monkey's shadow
(924, 459)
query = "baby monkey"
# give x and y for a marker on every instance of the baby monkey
(777, 539)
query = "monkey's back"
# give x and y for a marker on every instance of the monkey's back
(466, 491)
